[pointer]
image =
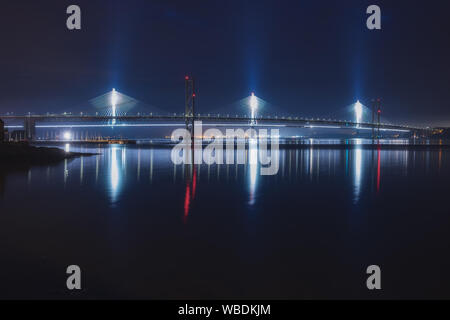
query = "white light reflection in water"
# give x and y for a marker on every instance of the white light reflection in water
(151, 166)
(115, 178)
(81, 169)
(96, 168)
(66, 172)
(124, 160)
(357, 173)
(139, 165)
(253, 163)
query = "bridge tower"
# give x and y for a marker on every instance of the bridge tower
(379, 117)
(253, 108)
(376, 115)
(189, 102)
(30, 128)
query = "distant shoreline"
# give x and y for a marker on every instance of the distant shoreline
(283, 145)
(23, 153)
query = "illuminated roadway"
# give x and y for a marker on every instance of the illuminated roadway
(69, 121)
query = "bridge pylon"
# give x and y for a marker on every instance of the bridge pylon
(376, 116)
(189, 103)
(379, 118)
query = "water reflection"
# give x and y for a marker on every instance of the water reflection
(139, 165)
(191, 187)
(81, 169)
(253, 164)
(66, 172)
(357, 174)
(316, 202)
(115, 173)
(309, 164)
(96, 168)
(378, 168)
(124, 161)
(151, 165)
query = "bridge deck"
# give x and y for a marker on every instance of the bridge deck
(222, 120)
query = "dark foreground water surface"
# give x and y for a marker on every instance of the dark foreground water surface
(140, 227)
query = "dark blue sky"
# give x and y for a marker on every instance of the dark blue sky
(309, 58)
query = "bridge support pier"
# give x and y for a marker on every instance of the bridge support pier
(189, 104)
(30, 129)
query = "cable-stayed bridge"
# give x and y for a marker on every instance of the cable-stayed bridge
(113, 109)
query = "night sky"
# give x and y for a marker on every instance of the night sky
(307, 58)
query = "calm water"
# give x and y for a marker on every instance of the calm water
(140, 227)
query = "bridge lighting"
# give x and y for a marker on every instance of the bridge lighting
(114, 99)
(67, 135)
(253, 106)
(113, 102)
(358, 111)
(253, 102)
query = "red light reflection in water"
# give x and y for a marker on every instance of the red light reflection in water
(187, 202)
(194, 183)
(189, 197)
(379, 169)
